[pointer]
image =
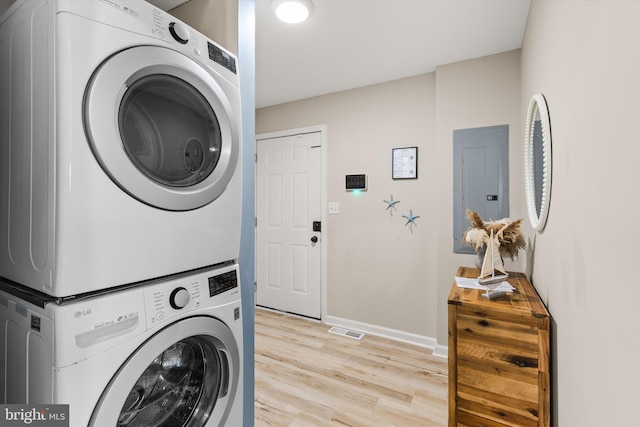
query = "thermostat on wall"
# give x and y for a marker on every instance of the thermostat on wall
(356, 182)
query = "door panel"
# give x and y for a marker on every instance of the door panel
(274, 266)
(288, 202)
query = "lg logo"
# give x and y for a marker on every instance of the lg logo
(81, 313)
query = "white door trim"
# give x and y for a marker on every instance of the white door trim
(323, 200)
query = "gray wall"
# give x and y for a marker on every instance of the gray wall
(584, 56)
(217, 19)
(380, 273)
(474, 93)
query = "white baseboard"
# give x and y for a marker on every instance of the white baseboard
(441, 351)
(381, 331)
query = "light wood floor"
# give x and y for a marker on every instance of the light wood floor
(306, 376)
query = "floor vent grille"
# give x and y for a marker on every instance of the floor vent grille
(346, 333)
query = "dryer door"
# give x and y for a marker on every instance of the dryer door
(185, 375)
(163, 127)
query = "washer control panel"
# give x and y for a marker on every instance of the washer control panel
(222, 283)
(164, 302)
(179, 298)
(190, 293)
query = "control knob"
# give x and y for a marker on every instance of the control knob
(179, 32)
(179, 298)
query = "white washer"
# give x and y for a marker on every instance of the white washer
(160, 354)
(120, 139)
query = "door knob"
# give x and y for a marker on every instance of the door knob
(314, 239)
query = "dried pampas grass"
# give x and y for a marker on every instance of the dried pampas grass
(476, 221)
(507, 233)
(476, 237)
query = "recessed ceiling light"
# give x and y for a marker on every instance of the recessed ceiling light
(292, 11)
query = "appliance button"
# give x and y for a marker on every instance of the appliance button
(179, 298)
(180, 32)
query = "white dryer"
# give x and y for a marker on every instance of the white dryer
(167, 353)
(120, 142)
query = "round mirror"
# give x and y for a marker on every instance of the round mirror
(537, 162)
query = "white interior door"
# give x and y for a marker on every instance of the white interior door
(289, 200)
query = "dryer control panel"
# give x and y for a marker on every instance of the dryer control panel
(192, 40)
(147, 19)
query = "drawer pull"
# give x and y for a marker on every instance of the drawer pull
(524, 362)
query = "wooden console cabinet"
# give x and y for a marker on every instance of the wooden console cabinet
(498, 356)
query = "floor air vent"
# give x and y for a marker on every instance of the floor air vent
(346, 333)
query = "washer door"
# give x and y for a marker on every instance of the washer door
(162, 127)
(185, 375)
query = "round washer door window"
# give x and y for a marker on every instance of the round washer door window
(162, 127)
(184, 377)
(189, 382)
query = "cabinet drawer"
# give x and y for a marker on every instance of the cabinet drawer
(498, 344)
(491, 393)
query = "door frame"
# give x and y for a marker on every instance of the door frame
(323, 202)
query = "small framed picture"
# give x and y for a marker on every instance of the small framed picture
(405, 163)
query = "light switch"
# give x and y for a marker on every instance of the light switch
(334, 208)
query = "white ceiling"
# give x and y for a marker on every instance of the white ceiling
(352, 43)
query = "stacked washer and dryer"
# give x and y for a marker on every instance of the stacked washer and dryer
(120, 207)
